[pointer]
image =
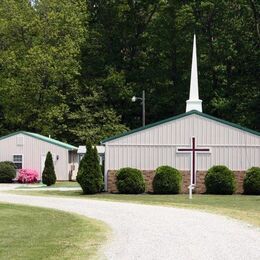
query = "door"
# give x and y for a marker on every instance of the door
(43, 158)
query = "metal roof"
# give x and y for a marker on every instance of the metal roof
(42, 138)
(178, 117)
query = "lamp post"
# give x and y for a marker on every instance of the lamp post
(134, 98)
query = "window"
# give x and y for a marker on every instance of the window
(18, 161)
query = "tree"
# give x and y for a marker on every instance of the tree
(39, 47)
(70, 68)
(48, 174)
(40, 85)
(92, 120)
(147, 45)
(89, 174)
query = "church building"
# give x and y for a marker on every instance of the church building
(191, 142)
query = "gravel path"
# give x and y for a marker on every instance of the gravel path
(154, 232)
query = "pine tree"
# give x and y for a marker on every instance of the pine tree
(48, 174)
(89, 174)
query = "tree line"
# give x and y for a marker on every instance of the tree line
(69, 68)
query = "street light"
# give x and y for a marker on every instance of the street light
(134, 98)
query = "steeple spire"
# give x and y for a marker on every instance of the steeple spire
(194, 103)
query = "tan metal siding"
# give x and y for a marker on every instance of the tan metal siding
(179, 131)
(156, 146)
(32, 150)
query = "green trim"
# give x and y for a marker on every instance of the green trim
(193, 112)
(42, 138)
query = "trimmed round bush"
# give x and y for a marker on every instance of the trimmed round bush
(130, 181)
(251, 183)
(167, 180)
(10, 163)
(220, 180)
(7, 172)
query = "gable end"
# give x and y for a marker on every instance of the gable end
(42, 138)
(178, 117)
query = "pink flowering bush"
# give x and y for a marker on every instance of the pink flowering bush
(28, 176)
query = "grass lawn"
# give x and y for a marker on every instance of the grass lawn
(246, 208)
(65, 184)
(58, 184)
(35, 233)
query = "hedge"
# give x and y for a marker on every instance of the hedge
(220, 180)
(167, 180)
(7, 172)
(130, 181)
(251, 182)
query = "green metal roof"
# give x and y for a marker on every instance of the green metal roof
(42, 138)
(193, 112)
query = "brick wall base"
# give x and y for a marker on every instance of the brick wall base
(200, 183)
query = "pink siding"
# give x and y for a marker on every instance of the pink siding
(32, 150)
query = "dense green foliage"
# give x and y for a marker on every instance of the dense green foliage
(89, 174)
(41, 87)
(167, 180)
(251, 183)
(48, 174)
(10, 163)
(7, 172)
(130, 181)
(220, 180)
(70, 68)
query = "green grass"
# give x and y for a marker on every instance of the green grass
(31, 233)
(60, 184)
(246, 208)
(65, 184)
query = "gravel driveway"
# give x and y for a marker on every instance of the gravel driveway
(154, 232)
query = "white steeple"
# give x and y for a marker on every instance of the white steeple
(194, 103)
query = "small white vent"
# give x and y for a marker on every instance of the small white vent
(19, 140)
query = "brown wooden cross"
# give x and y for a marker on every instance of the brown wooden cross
(193, 150)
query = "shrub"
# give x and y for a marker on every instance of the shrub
(251, 183)
(10, 163)
(220, 180)
(167, 180)
(130, 181)
(48, 174)
(89, 174)
(7, 172)
(28, 176)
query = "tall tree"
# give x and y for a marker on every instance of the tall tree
(147, 45)
(40, 87)
(39, 50)
(70, 68)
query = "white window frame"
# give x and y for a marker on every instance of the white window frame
(18, 162)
